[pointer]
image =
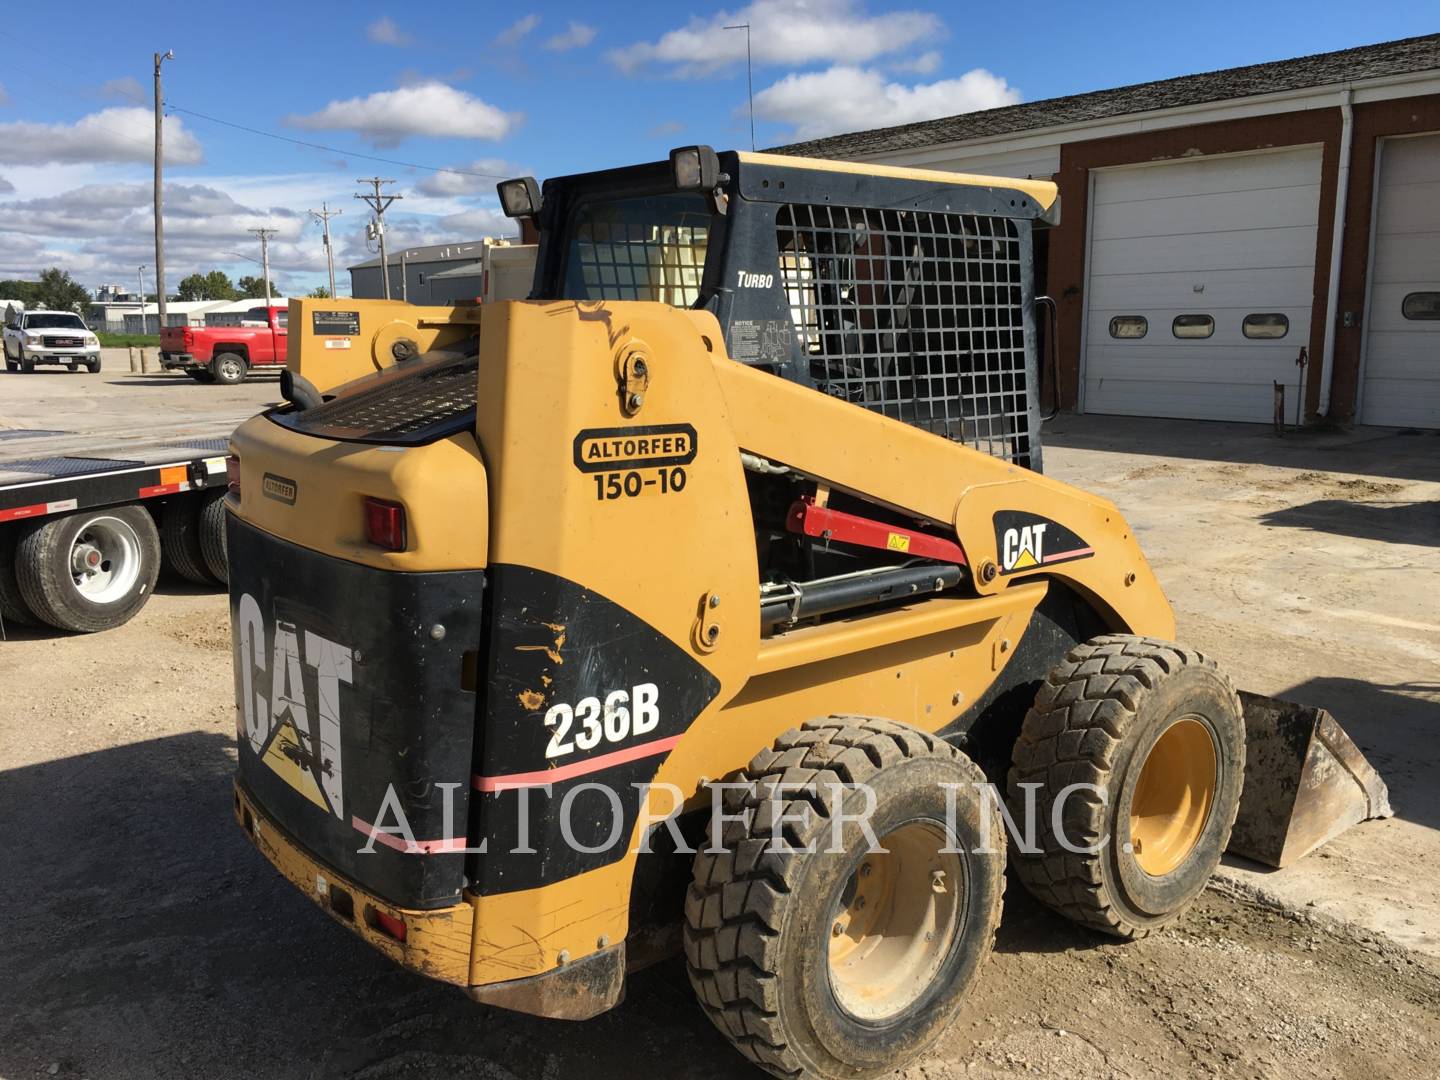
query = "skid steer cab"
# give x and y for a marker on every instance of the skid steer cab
(713, 599)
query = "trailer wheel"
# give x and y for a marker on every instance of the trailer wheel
(12, 604)
(229, 368)
(180, 541)
(212, 536)
(845, 961)
(89, 571)
(1158, 732)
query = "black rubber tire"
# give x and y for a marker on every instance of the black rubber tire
(1094, 722)
(180, 541)
(201, 375)
(93, 366)
(12, 605)
(229, 369)
(757, 922)
(26, 364)
(45, 580)
(212, 536)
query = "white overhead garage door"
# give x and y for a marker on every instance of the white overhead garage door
(1402, 340)
(1201, 279)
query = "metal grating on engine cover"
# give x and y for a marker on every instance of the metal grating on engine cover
(402, 405)
(917, 315)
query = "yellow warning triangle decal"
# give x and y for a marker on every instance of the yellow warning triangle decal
(282, 755)
(1025, 559)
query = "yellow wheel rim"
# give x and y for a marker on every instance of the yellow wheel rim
(1173, 797)
(895, 922)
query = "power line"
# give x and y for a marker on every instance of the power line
(330, 149)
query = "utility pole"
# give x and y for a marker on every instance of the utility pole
(160, 58)
(140, 273)
(265, 235)
(749, 78)
(323, 215)
(378, 202)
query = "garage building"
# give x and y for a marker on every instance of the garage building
(1213, 226)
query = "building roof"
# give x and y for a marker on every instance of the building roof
(430, 253)
(1403, 57)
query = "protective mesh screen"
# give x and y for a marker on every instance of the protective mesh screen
(913, 314)
(650, 248)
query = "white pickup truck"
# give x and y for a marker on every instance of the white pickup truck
(49, 337)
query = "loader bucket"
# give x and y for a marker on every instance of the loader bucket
(1306, 782)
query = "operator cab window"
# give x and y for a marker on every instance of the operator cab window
(650, 247)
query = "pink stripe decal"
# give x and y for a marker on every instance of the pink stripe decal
(1060, 556)
(421, 847)
(580, 768)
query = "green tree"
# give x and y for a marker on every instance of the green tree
(212, 286)
(251, 287)
(320, 292)
(24, 291)
(58, 291)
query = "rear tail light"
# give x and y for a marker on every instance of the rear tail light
(232, 475)
(187, 336)
(390, 925)
(385, 524)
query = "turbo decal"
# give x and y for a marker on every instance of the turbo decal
(1025, 542)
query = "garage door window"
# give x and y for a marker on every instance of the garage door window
(1272, 325)
(1421, 305)
(1192, 326)
(1129, 326)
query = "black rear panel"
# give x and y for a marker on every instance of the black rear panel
(351, 711)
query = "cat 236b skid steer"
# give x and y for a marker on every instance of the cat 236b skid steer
(689, 604)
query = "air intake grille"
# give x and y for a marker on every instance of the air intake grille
(405, 405)
(916, 315)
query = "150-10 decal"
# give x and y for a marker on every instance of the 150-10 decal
(631, 461)
(1025, 541)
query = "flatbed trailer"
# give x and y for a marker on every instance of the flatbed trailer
(84, 531)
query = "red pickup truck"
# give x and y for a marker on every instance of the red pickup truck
(225, 354)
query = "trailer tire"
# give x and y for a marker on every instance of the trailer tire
(1134, 718)
(12, 604)
(109, 594)
(212, 536)
(180, 541)
(229, 369)
(782, 953)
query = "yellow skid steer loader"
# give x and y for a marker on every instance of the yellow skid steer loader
(714, 599)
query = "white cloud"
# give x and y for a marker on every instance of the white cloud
(383, 31)
(6, 187)
(389, 117)
(787, 32)
(517, 31)
(927, 63)
(467, 179)
(126, 88)
(475, 223)
(576, 36)
(854, 99)
(118, 134)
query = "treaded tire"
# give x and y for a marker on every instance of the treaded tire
(180, 539)
(758, 923)
(27, 366)
(1094, 721)
(43, 571)
(229, 369)
(12, 605)
(212, 536)
(93, 366)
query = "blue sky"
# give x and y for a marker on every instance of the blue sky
(553, 88)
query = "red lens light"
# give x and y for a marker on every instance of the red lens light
(389, 925)
(385, 524)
